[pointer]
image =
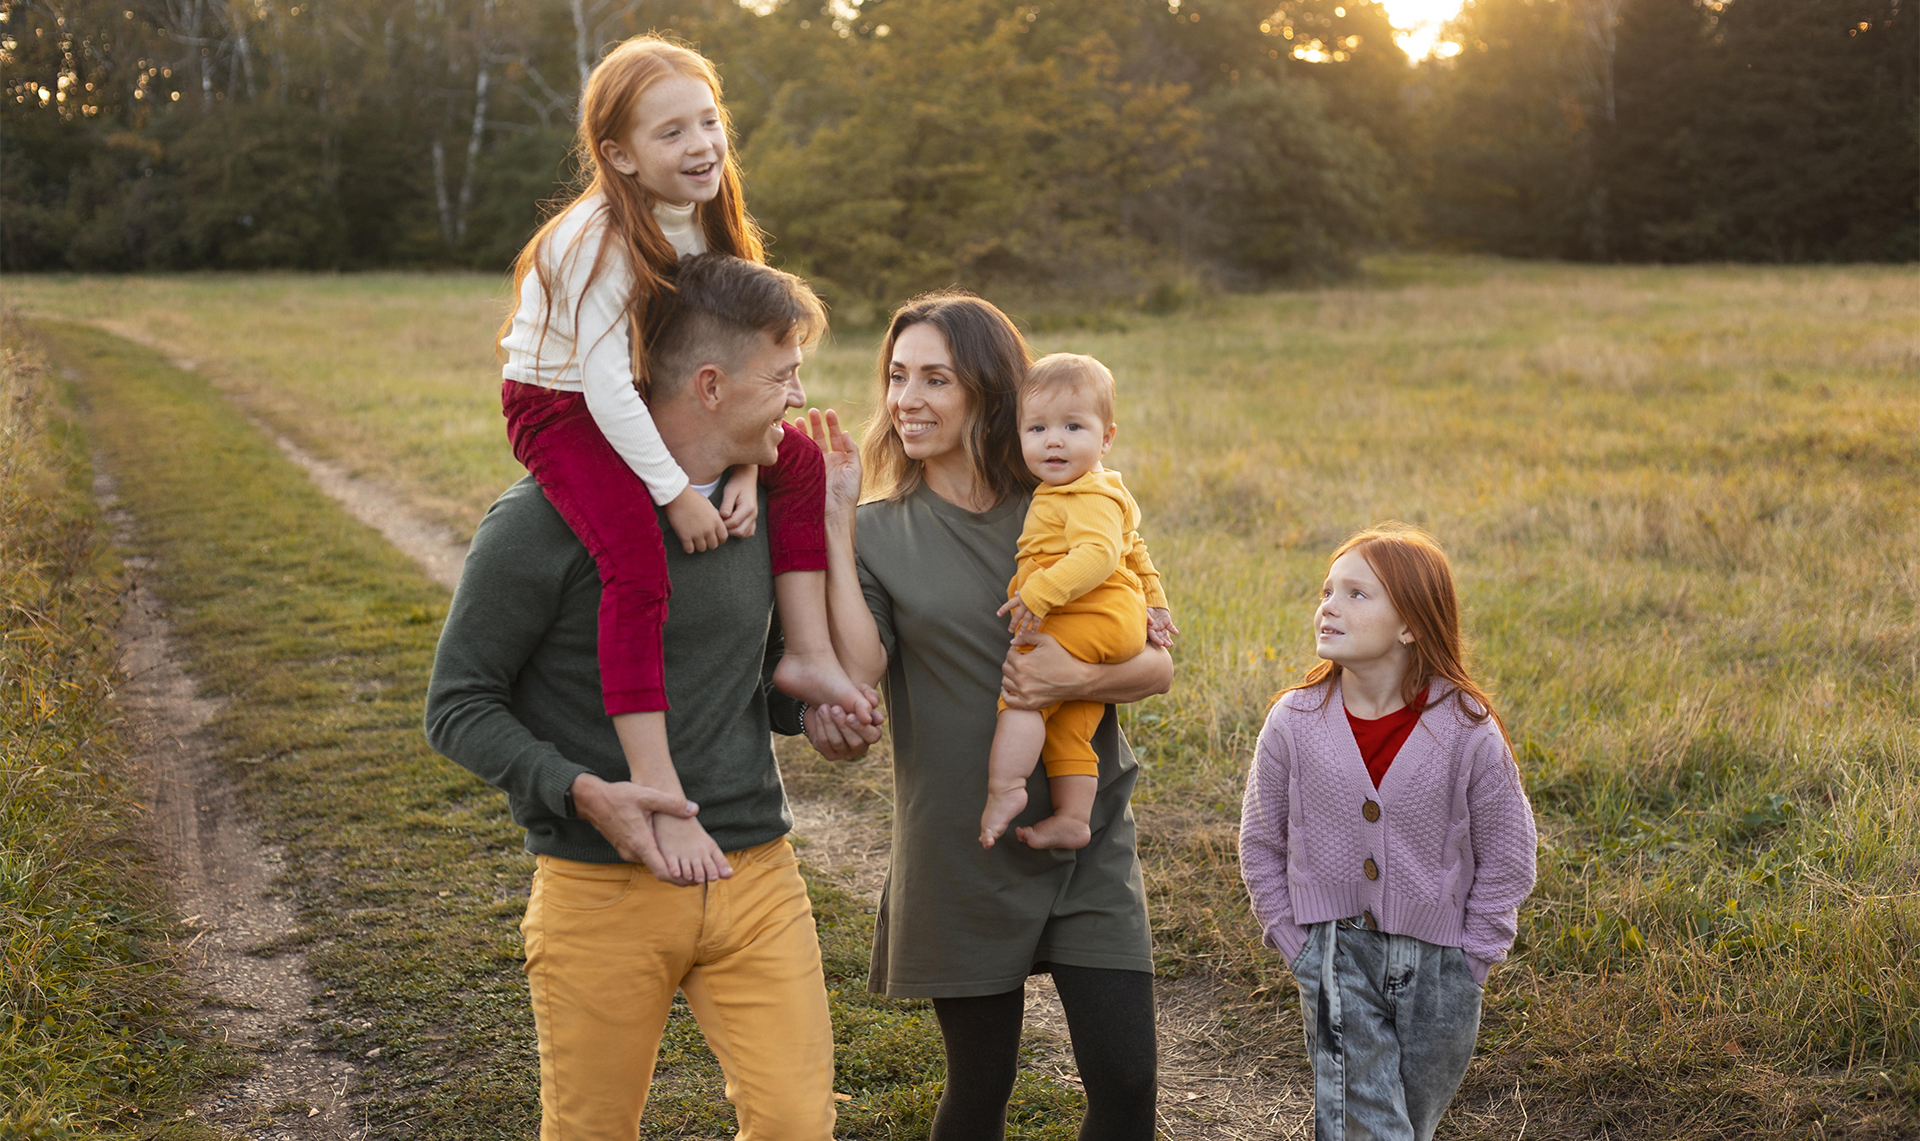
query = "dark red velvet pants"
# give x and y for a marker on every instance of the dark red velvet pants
(609, 508)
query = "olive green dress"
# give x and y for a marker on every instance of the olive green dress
(957, 920)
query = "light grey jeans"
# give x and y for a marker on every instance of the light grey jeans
(1391, 1022)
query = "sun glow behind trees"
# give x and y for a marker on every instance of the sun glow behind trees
(1418, 25)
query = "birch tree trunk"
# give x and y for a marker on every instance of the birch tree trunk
(474, 139)
(440, 192)
(580, 54)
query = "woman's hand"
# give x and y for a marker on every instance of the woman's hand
(1044, 675)
(843, 461)
(1047, 675)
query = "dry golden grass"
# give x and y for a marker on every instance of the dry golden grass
(1683, 508)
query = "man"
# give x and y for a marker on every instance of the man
(516, 698)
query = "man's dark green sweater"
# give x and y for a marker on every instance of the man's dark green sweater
(515, 695)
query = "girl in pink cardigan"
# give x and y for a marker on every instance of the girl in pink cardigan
(1386, 841)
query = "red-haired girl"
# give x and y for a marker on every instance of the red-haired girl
(1386, 841)
(590, 284)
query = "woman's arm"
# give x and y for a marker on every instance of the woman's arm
(856, 639)
(1048, 675)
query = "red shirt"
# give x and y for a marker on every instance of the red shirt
(1380, 738)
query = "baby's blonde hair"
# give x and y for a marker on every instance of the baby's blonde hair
(1076, 371)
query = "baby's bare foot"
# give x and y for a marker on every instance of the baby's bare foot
(1002, 806)
(818, 679)
(1056, 832)
(689, 851)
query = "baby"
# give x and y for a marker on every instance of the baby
(1084, 577)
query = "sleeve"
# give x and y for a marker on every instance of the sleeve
(1504, 845)
(1263, 842)
(783, 711)
(1092, 526)
(879, 602)
(508, 599)
(601, 338)
(1143, 569)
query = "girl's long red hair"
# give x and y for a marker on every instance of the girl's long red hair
(1419, 583)
(607, 112)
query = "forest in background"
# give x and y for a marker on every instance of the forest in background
(1127, 147)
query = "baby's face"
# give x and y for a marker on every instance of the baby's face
(1062, 433)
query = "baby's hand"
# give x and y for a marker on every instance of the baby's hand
(690, 854)
(694, 520)
(740, 501)
(1022, 620)
(1160, 627)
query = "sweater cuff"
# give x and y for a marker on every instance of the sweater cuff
(669, 490)
(556, 781)
(1479, 968)
(1289, 939)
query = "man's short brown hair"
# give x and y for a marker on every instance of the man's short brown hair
(720, 306)
(1077, 371)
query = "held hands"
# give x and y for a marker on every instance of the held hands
(837, 734)
(1160, 627)
(695, 521)
(740, 501)
(1023, 620)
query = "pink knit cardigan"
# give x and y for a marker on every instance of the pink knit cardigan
(1444, 853)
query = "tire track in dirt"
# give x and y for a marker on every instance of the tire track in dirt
(1216, 1082)
(243, 954)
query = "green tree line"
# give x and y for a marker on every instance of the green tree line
(890, 145)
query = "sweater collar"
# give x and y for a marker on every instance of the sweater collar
(676, 222)
(1420, 743)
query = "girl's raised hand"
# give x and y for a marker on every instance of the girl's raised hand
(843, 461)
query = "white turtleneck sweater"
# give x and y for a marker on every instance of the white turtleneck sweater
(583, 346)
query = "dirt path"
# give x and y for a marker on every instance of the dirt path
(226, 882)
(1217, 1081)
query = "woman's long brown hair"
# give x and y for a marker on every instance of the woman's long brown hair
(1419, 584)
(991, 358)
(607, 112)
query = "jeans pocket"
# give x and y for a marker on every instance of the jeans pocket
(571, 886)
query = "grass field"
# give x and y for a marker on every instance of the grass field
(1683, 506)
(97, 1036)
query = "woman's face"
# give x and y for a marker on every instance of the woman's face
(925, 400)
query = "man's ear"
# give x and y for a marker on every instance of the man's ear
(706, 385)
(614, 155)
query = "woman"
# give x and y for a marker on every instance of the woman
(930, 561)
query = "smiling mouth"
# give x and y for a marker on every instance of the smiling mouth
(915, 427)
(700, 171)
(1327, 630)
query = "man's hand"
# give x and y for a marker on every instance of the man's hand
(838, 735)
(1045, 675)
(740, 501)
(1022, 620)
(623, 812)
(695, 521)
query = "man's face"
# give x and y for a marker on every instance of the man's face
(757, 391)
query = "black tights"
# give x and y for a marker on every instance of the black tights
(1109, 1017)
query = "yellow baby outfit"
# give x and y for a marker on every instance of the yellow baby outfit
(1085, 573)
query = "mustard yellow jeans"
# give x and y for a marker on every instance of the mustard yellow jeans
(607, 946)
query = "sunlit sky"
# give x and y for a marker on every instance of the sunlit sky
(1418, 24)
